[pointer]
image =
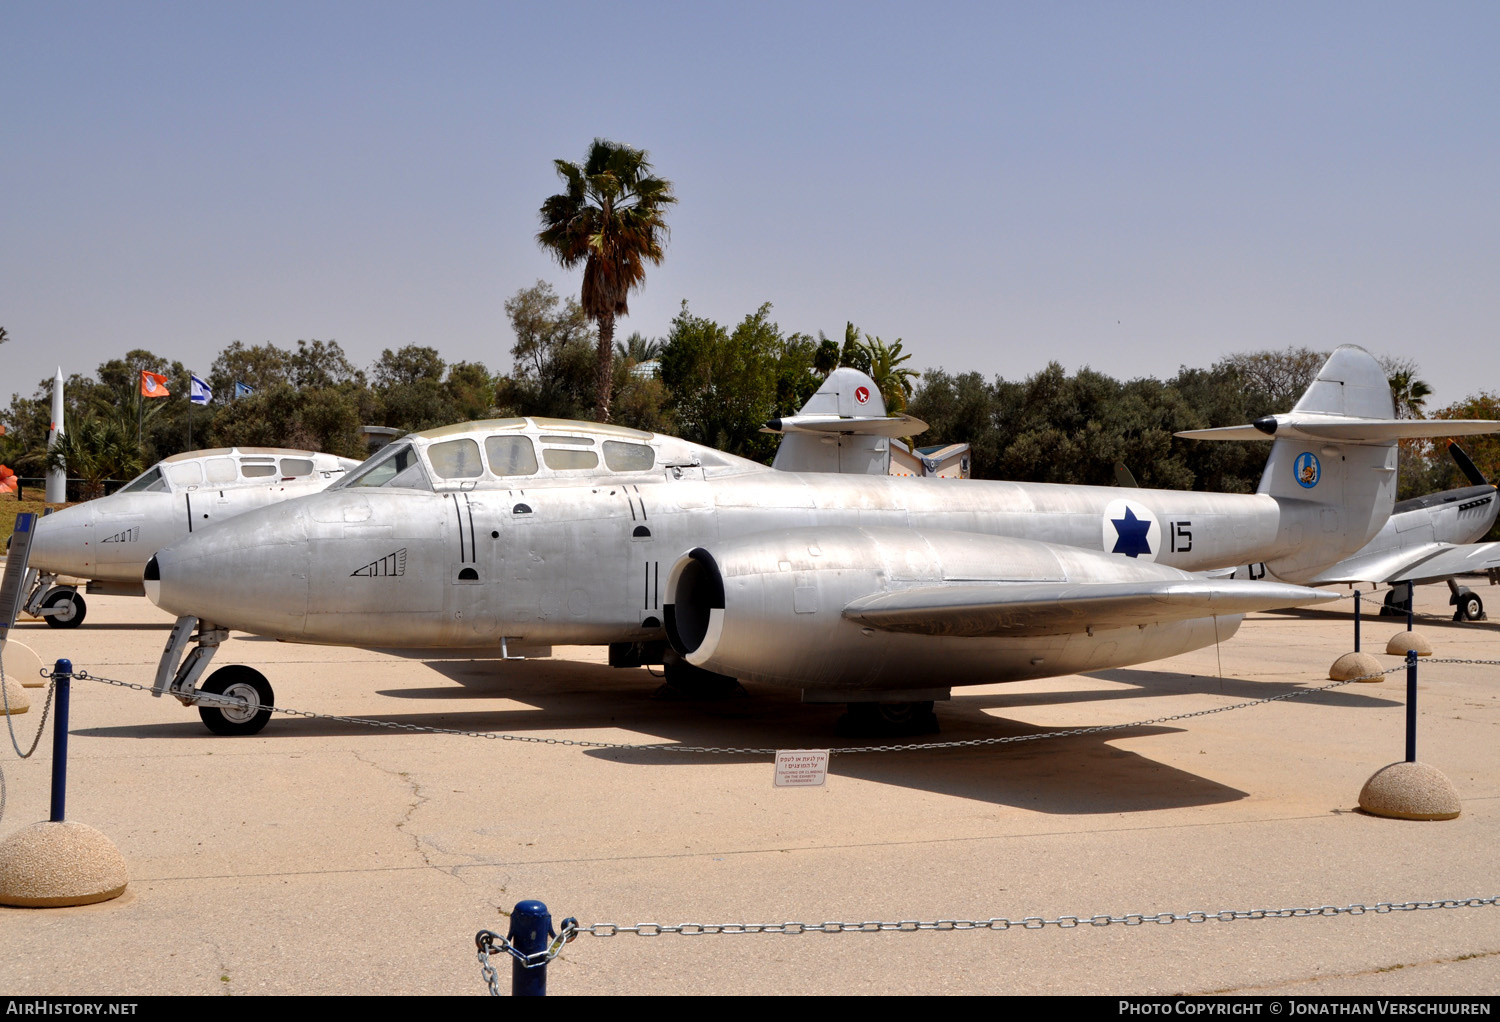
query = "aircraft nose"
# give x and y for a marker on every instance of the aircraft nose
(60, 543)
(249, 573)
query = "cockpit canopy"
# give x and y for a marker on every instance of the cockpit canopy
(226, 467)
(532, 451)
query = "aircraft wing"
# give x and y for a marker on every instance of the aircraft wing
(1055, 608)
(1429, 562)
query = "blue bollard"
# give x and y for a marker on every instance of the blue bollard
(1356, 620)
(1411, 606)
(1411, 706)
(530, 933)
(62, 673)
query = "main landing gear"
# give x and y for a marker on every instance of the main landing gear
(887, 720)
(1466, 604)
(239, 698)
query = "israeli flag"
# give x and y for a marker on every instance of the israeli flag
(240, 390)
(199, 392)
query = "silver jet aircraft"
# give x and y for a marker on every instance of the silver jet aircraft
(106, 542)
(876, 591)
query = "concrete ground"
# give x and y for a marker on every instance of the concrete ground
(328, 857)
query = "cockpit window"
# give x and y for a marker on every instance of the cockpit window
(456, 459)
(397, 466)
(185, 474)
(296, 467)
(222, 470)
(146, 482)
(623, 457)
(257, 468)
(510, 455)
(563, 459)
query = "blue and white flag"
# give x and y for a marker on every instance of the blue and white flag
(199, 392)
(240, 390)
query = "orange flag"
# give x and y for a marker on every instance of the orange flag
(154, 385)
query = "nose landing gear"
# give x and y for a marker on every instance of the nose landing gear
(239, 697)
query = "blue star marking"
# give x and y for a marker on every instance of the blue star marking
(1132, 532)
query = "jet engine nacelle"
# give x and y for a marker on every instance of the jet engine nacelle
(776, 608)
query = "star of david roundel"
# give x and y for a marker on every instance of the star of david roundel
(1131, 529)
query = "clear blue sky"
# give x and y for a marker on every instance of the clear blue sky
(1130, 186)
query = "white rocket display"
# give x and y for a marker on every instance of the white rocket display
(57, 478)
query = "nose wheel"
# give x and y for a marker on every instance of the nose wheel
(63, 608)
(241, 683)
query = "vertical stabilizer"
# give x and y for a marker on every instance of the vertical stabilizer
(842, 428)
(1335, 496)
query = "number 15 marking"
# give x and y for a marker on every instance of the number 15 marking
(1181, 536)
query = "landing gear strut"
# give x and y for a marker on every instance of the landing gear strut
(240, 697)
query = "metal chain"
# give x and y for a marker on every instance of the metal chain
(1029, 922)
(46, 709)
(36, 739)
(734, 751)
(488, 941)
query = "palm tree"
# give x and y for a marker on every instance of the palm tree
(1411, 394)
(610, 219)
(638, 348)
(893, 379)
(95, 450)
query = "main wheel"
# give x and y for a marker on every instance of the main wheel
(67, 608)
(1397, 599)
(887, 720)
(237, 682)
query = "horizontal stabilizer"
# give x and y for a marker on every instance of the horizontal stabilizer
(1314, 426)
(856, 425)
(1055, 608)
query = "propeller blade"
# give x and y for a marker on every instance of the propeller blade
(1466, 465)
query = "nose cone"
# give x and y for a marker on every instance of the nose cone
(61, 543)
(249, 573)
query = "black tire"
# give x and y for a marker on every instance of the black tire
(70, 603)
(247, 683)
(1470, 607)
(1397, 599)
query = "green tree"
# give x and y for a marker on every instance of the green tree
(321, 364)
(94, 450)
(258, 366)
(554, 356)
(610, 218)
(723, 384)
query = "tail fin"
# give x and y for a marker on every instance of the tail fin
(1332, 468)
(842, 428)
